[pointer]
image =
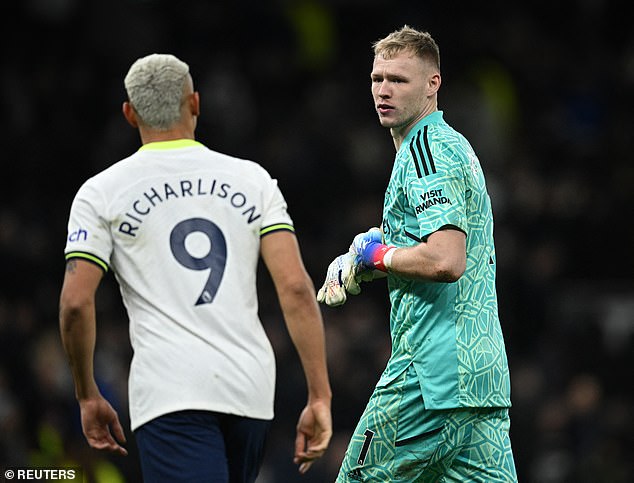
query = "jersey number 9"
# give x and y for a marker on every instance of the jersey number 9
(214, 260)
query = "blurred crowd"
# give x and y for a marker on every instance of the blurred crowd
(544, 92)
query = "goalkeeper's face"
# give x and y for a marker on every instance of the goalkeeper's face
(404, 89)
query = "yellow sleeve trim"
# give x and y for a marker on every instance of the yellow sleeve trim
(87, 256)
(278, 227)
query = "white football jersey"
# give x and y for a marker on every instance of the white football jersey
(180, 226)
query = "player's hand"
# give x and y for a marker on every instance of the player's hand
(340, 280)
(370, 252)
(100, 422)
(314, 430)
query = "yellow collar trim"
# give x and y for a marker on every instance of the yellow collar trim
(173, 144)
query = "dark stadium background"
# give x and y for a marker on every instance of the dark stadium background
(543, 92)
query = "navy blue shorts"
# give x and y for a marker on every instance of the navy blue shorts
(201, 446)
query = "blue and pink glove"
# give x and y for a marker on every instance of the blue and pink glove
(344, 274)
(370, 251)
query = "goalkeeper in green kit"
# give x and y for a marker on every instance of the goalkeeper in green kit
(440, 410)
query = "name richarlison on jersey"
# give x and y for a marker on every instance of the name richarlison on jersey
(142, 206)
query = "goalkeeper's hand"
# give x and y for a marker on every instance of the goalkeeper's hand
(340, 280)
(370, 252)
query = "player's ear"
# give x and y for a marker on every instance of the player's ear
(130, 114)
(194, 103)
(433, 83)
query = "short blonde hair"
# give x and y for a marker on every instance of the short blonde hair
(420, 43)
(155, 85)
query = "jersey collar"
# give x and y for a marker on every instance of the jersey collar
(432, 118)
(173, 144)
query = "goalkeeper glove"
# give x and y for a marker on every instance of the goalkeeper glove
(370, 252)
(340, 279)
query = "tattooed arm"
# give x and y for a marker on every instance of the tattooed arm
(77, 321)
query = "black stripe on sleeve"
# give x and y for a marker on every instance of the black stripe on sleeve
(428, 151)
(415, 158)
(420, 153)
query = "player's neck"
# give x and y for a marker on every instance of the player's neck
(400, 133)
(153, 136)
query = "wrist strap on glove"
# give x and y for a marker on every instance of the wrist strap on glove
(378, 256)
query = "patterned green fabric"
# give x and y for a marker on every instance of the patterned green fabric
(398, 440)
(449, 331)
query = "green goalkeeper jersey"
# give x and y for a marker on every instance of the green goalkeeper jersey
(449, 331)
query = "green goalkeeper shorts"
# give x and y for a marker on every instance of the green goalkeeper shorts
(398, 440)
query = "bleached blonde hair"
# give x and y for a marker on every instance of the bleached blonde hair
(418, 42)
(155, 85)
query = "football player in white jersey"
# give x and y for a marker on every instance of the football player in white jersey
(182, 227)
